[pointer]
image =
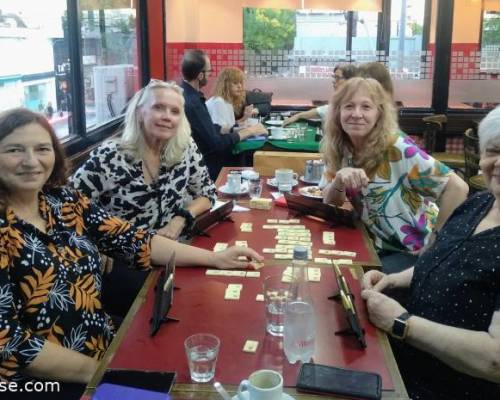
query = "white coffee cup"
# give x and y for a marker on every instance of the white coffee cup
(285, 176)
(264, 384)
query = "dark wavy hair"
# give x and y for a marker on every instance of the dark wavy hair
(15, 118)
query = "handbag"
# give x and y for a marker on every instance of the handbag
(260, 100)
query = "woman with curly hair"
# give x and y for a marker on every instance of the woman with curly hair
(396, 186)
(227, 106)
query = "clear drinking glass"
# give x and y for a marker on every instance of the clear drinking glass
(275, 296)
(201, 351)
(255, 188)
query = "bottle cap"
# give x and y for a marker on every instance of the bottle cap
(300, 253)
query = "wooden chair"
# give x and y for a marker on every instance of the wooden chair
(471, 148)
(266, 162)
(434, 125)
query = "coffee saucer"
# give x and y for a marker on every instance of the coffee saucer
(243, 189)
(272, 182)
(245, 396)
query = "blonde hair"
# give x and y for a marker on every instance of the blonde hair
(222, 89)
(132, 139)
(336, 143)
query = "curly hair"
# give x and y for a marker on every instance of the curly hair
(222, 89)
(15, 118)
(336, 143)
(132, 139)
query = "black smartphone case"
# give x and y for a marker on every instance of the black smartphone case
(344, 382)
(157, 381)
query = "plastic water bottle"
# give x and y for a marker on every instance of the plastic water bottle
(299, 320)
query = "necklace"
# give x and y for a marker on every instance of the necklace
(152, 176)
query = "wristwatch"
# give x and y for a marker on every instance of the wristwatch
(400, 326)
(188, 217)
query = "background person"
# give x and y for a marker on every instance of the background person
(214, 145)
(396, 184)
(227, 106)
(153, 176)
(53, 325)
(340, 74)
(448, 331)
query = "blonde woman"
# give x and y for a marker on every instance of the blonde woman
(398, 185)
(153, 176)
(227, 106)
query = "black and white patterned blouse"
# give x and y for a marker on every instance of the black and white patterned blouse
(455, 283)
(116, 179)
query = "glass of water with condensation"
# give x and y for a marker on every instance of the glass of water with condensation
(202, 350)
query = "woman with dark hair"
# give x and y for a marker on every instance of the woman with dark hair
(397, 185)
(341, 73)
(52, 323)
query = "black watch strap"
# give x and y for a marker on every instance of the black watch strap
(181, 212)
(400, 326)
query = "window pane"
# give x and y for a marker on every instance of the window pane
(109, 58)
(475, 56)
(34, 65)
(409, 61)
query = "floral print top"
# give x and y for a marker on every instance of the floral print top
(50, 283)
(399, 203)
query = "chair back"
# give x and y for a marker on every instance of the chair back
(266, 162)
(434, 125)
(471, 153)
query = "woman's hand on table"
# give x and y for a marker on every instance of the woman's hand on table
(228, 259)
(351, 178)
(382, 310)
(257, 129)
(173, 229)
(290, 120)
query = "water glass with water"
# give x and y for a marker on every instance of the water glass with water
(275, 297)
(299, 331)
(202, 350)
(255, 187)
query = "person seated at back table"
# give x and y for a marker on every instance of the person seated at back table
(448, 331)
(213, 144)
(228, 100)
(152, 176)
(341, 73)
(378, 71)
(52, 324)
(393, 184)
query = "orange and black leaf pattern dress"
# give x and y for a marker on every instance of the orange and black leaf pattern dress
(50, 283)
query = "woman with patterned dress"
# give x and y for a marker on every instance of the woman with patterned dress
(152, 176)
(52, 322)
(395, 186)
(447, 334)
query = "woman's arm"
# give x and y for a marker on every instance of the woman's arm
(471, 352)
(175, 226)
(312, 113)
(454, 194)
(60, 363)
(162, 249)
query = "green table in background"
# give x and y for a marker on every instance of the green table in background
(308, 143)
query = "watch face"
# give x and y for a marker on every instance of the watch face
(398, 329)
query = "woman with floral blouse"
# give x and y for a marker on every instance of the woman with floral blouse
(52, 323)
(395, 186)
(153, 176)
